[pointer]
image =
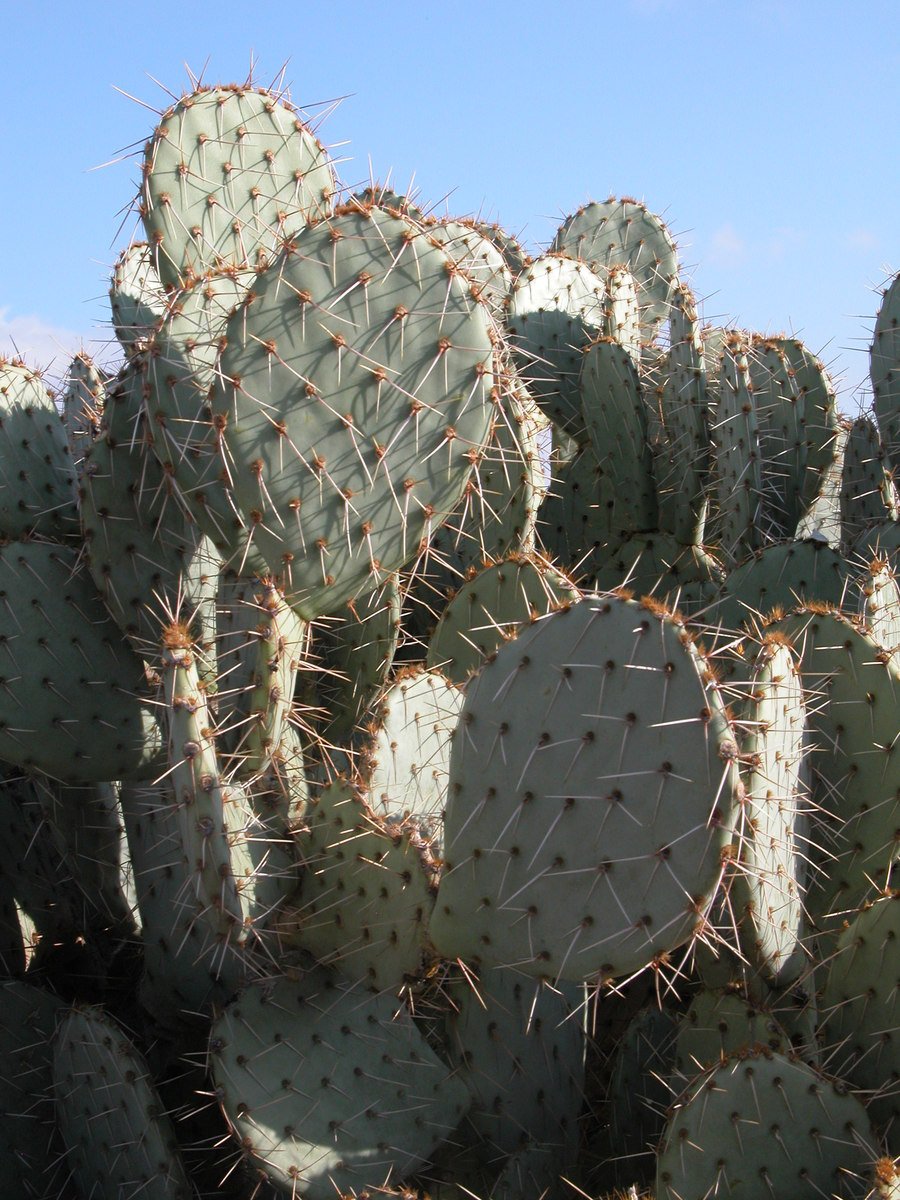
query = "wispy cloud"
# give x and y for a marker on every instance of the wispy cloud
(45, 346)
(726, 247)
(863, 240)
(782, 242)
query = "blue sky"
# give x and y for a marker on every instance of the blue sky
(762, 131)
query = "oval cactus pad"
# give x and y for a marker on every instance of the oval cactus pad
(590, 777)
(354, 401)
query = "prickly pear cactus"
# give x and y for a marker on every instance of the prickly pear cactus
(137, 298)
(767, 1125)
(383, 1100)
(229, 174)
(116, 1133)
(623, 232)
(556, 308)
(366, 892)
(490, 607)
(592, 781)
(85, 683)
(860, 1026)
(393, 359)
(602, 906)
(774, 830)
(37, 475)
(884, 368)
(30, 1144)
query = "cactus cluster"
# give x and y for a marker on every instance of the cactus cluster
(448, 715)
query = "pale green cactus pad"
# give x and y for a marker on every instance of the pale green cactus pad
(353, 400)
(861, 1007)
(490, 607)
(591, 780)
(366, 892)
(623, 232)
(228, 174)
(83, 681)
(330, 1089)
(761, 1125)
(119, 1139)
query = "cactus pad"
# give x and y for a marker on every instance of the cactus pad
(591, 780)
(329, 1088)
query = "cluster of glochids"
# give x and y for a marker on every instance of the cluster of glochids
(449, 705)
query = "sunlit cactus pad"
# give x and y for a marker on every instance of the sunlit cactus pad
(329, 1088)
(353, 402)
(229, 173)
(591, 781)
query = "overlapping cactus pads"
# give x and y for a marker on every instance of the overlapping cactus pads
(449, 710)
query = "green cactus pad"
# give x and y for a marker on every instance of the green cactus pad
(119, 1139)
(184, 968)
(517, 258)
(83, 401)
(773, 834)
(382, 195)
(713, 339)
(365, 895)
(719, 1023)
(797, 415)
(822, 518)
(178, 376)
(556, 307)
(781, 576)
(638, 1093)
(356, 648)
(251, 616)
(683, 577)
(868, 493)
(519, 1047)
(30, 1147)
(881, 541)
(884, 368)
(67, 669)
(617, 420)
(228, 174)
(37, 473)
(574, 531)
(204, 798)
(329, 1089)
(137, 298)
(685, 404)
(489, 608)
(406, 756)
(476, 256)
(354, 400)
(852, 689)
(497, 512)
(820, 423)
(625, 233)
(738, 461)
(763, 1125)
(880, 603)
(860, 1008)
(281, 642)
(147, 560)
(591, 782)
(622, 318)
